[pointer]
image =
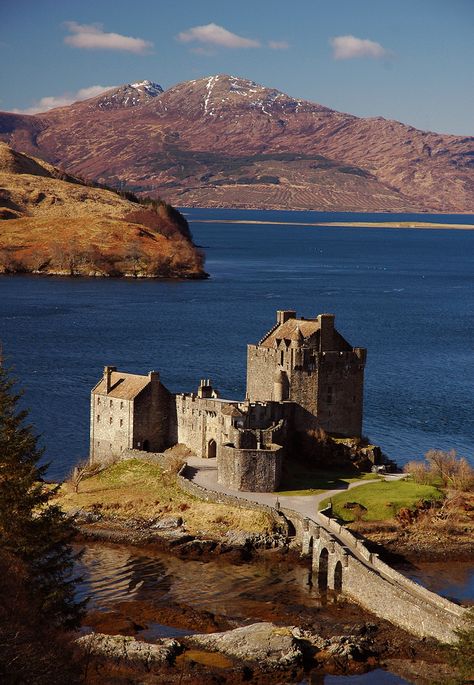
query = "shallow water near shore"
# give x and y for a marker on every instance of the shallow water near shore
(115, 573)
(453, 580)
(259, 591)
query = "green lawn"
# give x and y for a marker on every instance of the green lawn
(382, 499)
(301, 481)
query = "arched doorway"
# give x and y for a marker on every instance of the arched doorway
(146, 445)
(323, 569)
(211, 449)
(338, 578)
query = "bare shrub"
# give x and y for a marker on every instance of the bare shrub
(445, 466)
(419, 471)
(463, 478)
(81, 472)
(442, 464)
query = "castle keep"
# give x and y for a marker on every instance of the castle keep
(301, 375)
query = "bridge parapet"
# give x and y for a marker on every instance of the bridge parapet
(342, 562)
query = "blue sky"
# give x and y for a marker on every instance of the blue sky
(410, 60)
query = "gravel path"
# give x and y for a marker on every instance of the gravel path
(204, 473)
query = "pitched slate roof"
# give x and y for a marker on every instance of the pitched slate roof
(123, 386)
(231, 410)
(289, 331)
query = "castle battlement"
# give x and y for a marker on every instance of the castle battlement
(301, 375)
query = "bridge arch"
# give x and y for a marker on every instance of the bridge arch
(338, 577)
(323, 565)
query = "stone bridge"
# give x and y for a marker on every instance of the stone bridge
(342, 563)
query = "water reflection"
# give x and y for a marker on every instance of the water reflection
(113, 574)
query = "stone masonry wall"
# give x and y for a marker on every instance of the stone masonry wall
(151, 417)
(248, 469)
(261, 367)
(111, 427)
(198, 422)
(340, 392)
(224, 498)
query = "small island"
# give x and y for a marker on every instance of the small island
(52, 223)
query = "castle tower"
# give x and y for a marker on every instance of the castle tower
(309, 363)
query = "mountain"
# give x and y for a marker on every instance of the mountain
(129, 95)
(227, 141)
(54, 223)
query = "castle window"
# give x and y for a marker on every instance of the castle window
(282, 357)
(121, 405)
(98, 418)
(110, 420)
(121, 423)
(98, 400)
(111, 403)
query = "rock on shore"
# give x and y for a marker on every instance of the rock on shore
(124, 649)
(270, 646)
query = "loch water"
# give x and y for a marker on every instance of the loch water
(405, 294)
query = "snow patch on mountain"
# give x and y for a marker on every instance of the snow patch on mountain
(130, 95)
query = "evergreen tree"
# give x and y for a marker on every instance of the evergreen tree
(32, 530)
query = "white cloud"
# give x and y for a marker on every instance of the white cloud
(349, 47)
(93, 37)
(52, 101)
(278, 45)
(212, 34)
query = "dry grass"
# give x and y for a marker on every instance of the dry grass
(135, 489)
(53, 225)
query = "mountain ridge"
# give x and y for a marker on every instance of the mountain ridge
(227, 141)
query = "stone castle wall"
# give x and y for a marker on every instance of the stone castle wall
(151, 418)
(208, 495)
(201, 424)
(262, 363)
(256, 470)
(340, 392)
(111, 427)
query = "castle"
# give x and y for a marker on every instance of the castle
(301, 375)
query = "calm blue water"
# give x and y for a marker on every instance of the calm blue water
(406, 295)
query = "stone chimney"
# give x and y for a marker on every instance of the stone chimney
(154, 376)
(326, 335)
(108, 377)
(285, 314)
(205, 389)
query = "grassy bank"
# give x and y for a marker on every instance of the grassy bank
(134, 489)
(382, 499)
(304, 481)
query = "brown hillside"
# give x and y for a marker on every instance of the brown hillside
(226, 141)
(54, 223)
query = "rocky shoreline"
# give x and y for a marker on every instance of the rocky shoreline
(346, 639)
(169, 534)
